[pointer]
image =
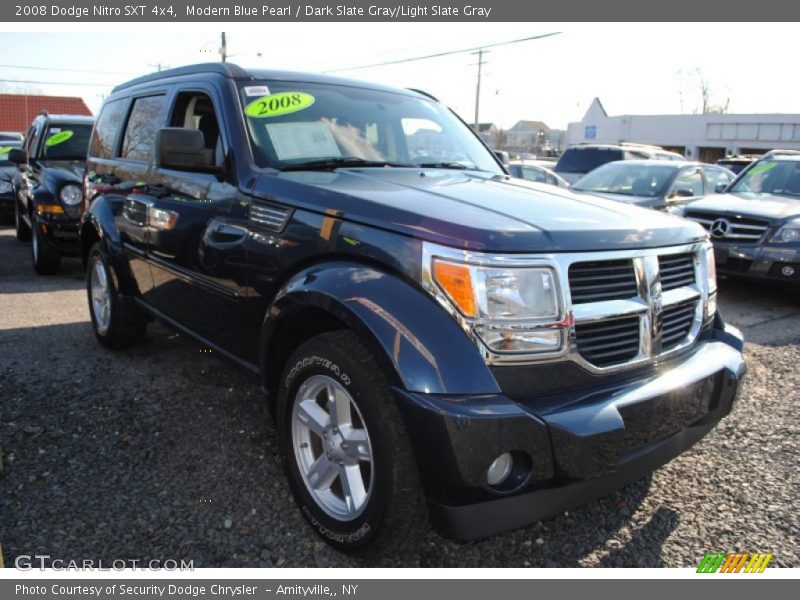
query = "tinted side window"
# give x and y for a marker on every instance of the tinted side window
(106, 128)
(147, 116)
(583, 160)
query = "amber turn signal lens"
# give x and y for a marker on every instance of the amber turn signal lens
(49, 209)
(455, 279)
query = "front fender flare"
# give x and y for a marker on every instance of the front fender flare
(419, 345)
(98, 223)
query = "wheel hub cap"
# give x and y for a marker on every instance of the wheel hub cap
(332, 447)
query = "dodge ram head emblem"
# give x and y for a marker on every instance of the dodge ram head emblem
(720, 228)
(656, 316)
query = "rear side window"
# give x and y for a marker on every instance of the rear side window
(105, 130)
(583, 160)
(147, 116)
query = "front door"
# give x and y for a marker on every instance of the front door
(197, 227)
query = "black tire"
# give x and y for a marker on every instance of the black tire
(46, 259)
(127, 324)
(395, 514)
(23, 231)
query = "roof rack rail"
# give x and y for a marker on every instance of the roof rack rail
(779, 152)
(638, 145)
(226, 69)
(424, 93)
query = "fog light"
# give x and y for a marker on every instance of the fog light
(787, 271)
(499, 470)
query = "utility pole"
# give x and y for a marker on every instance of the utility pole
(223, 48)
(159, 66)
(480, 54)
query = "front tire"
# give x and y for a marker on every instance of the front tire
(347, 455)
(46, 259)
(21, 227)
(116, 323)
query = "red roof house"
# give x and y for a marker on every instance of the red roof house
(18, 110)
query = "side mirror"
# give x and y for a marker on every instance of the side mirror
(183, 150)
(17, 156)
(721, 187)
(683, 193)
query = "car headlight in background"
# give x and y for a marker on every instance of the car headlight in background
(788, 234)
(512, 309)
(70, 195)
(5, 187)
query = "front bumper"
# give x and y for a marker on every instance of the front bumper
(761, 262)
(6, 206)
(582, 444)
(61, 233)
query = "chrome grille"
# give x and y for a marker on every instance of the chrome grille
(268, 216)
(633, 309)
(596, 281)
(677, 270)
(610, 342)
(740, 228)
(677, 324)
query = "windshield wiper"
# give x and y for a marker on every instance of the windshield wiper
(325, 164)
(447, 165)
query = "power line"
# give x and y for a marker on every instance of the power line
(83, 83)
(33, 68)
(447, 53)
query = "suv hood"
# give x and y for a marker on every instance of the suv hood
(478, 211)
(766, 206)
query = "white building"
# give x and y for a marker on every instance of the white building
(704, 137)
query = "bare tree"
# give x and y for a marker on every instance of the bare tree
(696, 91)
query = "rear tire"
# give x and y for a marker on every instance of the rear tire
(349, 461)
(22, 229)
(116, 323)
(46, 259)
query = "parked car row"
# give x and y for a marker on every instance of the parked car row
(439, 342)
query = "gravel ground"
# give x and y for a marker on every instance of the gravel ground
(164, 451)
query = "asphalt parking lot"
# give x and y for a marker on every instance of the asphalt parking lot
(167, 452)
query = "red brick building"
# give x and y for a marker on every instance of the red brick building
(18, 110)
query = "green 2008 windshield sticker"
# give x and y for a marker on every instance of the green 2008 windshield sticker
(58, 138)
(279, 104)
(5, 149)
(763, 167)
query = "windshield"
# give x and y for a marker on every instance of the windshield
(583, 160)
(4, 150)
(293, 124)
(68, 141)
(628, 179)
(780, 177)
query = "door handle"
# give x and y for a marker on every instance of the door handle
(225, 235)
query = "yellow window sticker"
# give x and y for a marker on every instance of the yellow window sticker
(59, 138)
(5, 149)
(279, 104)
(762, 168)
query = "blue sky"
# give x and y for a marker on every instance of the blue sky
(633, 68)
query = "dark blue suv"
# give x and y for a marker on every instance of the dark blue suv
(440, 343)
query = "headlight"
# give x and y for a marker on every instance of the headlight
(708, 267)
(512, 309)
(789, 233)
(5, 187)
(70, 195)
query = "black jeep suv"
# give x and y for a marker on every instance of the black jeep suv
(755, 225)
(437, 340)
(47, 188)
